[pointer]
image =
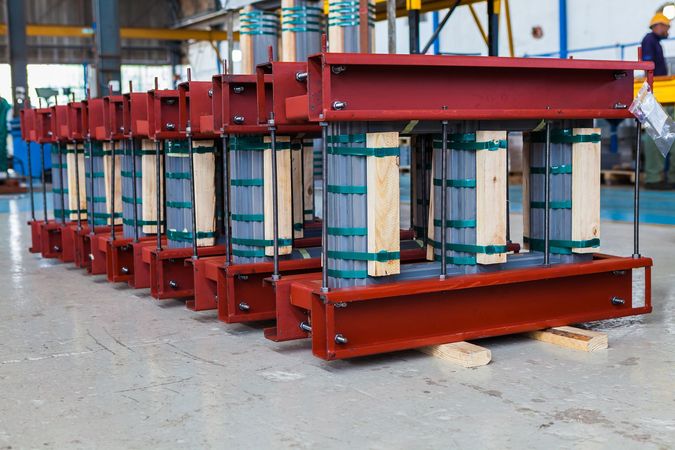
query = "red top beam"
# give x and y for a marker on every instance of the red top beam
(369, 87)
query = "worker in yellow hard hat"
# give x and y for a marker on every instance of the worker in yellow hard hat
(655, 163)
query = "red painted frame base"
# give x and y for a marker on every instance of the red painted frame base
(411, 314)
(120, 258)
(35, 237)
(142, 257)
(50, 239)
(68, 232)
(171, 276)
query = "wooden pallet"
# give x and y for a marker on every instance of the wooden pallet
(617, 176)
(467, 354)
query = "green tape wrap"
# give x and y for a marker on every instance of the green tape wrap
(456, 223)
(248, 182)
(186, 236)
(347, 231)
(560, 246)
(261, 242)
(351, 274)
(382, 256)
(343, 189)
(458, 183)
(248, 217)
(564, 136)
(179, 205)
(563, 204)
(555, 170)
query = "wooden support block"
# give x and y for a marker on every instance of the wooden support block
(284, 197)
(527, 158)
(246, 47)
(491, 197)
(72, 183)
(297, 195)
(287, 37)
(107, 172)
(308, 178)
(149, 186)
(430, 221)
(570, 337)
(585, 190)
(205, 191)
(336, 35)
(463, 353)
(383, 202)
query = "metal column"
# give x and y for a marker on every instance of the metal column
(18, 52)
(414, 7)
(493, 7)
(108, 53)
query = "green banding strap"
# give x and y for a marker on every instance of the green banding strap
(185, 236)
(248, 217)
(249, 253)
(118, 152)
(456, 223)
(59, 166)
(382, 256)
(179, 205)
(97, 199)
(177, 175)
(125, 199)
(347, 139)
(96, 175)
(100, 215)
(378, 152)
(565, 204)
(130, 174)
(297, 226)
(185, 150)
(308, 211)
(469, 248)
(352, 274)
(565, 136)
(467, 141)
(458, 183)
(561, 246)
(248, 182)
(341, 189)
(458, 260)
(140, 222)
(60, 191)
(256, 144)
(555, 170)
(261, 242)
(347, 231)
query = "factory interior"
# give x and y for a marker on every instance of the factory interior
(377, 224)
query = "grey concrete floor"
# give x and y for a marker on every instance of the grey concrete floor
(86, 364)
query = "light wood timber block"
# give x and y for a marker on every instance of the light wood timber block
(73, 182)
(205, 191)
(462, 353)
(149, 186)
(585, 190)
(430, 221)
(383, 202)
(297, 180)
(246, 46)
(284, 196)
(574, 338)
(107, 171)
(308, 178)
(491, 197)
(527, 157)
(288, 53)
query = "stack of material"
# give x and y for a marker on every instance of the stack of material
(133, 151)
(302, 23)
(363, 205)
(574, 187)
(96, 186)
(344, 26)
(259, 32)
(178, 193)
(75, 174)
(59, 181)
(475, 211)
(251, 198)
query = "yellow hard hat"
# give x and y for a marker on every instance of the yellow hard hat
(659, 18)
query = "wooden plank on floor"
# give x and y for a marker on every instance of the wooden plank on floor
(285, 201)
(491, 197)
(585, 190)
(297, 194)
(149, 186)
(463, 353)
(574, 338)
(205, 191)
(383, 203)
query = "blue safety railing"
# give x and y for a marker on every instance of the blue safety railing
(620, 47)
